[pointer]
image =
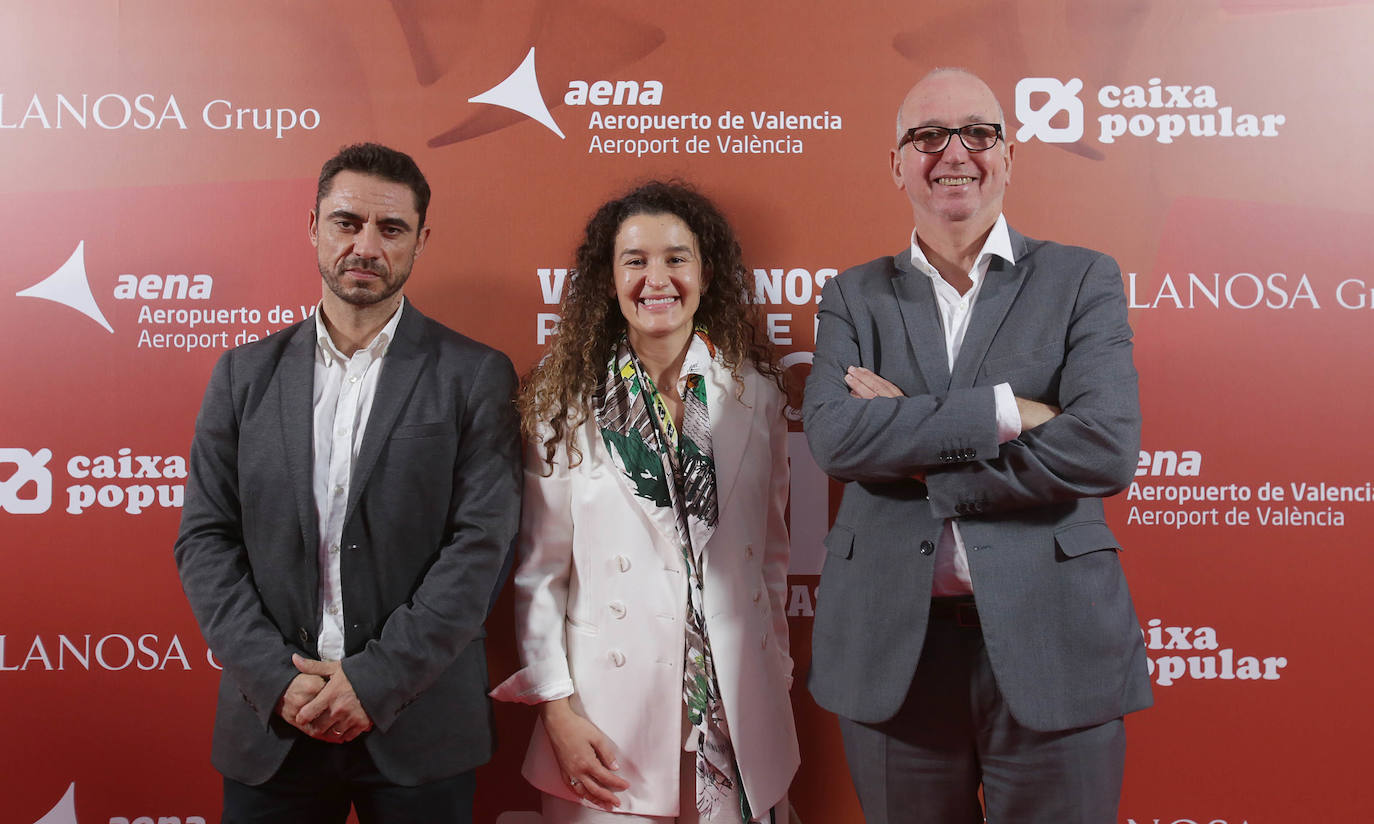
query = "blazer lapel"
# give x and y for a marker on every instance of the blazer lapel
(921, 317)
(730, 428)
(401, 367)
(295, 387)
(1000, 287)
(661, 518)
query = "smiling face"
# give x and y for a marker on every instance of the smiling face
(367, 235)
(658, 279)
(955, 186)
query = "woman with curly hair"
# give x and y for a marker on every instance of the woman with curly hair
(653, 550)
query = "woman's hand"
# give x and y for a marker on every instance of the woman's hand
(585, 755)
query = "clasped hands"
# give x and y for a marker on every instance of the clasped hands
(321, 703)
(586, 757)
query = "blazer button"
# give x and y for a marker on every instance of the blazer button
(617, 608)
(622, 563)
(303, 634)
(617, 658)
(927, 547)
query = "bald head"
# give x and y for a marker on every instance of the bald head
(941, 83)
(955, 193)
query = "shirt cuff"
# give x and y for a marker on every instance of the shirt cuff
(536, 684)
(1008, 416)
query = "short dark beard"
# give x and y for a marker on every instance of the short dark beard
(359, 296)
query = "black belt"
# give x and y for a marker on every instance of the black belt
(959, 609)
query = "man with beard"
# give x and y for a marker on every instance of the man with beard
(353, 493)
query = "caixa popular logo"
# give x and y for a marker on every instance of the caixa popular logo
(1052, 111)
(1185, 820)
(25, 481)
(132, 483)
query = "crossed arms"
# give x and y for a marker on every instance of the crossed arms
(862, 427)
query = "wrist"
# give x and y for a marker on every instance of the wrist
(555, 710)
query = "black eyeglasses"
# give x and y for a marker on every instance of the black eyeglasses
(976, 137)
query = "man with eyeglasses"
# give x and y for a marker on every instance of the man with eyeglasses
(976, 394)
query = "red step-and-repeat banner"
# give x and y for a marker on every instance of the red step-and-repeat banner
(157, 164)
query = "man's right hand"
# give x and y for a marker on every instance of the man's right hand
(301, 691)
(1034, 413)
(585, 755)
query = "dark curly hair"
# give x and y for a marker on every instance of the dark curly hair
(379, 161)
(555, 397)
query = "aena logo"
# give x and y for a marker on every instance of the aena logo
(28, 490)
(520, 92)
(70, 287)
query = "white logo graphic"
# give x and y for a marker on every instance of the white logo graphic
(29, 467)
(520, 92)
(64, 812)
(1154, 109)
(1209, 661)
(69, 287)
(1063, 97)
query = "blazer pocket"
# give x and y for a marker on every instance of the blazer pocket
(1051, 354)
(839, 541)
(581, 626)
(1084, 537)
(421, 430)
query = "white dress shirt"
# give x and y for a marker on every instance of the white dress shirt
(344, 391)
(951, 559)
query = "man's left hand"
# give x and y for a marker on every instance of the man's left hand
(335, 715)
(867, 384)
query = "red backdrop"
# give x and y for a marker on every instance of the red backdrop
(157, 162)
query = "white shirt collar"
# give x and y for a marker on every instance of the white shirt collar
(329, 353)
(998, 243)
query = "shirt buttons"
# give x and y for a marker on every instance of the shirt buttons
(622, 563)
(749, 551)
(617, 608)
(333, 549)
(338, 490)
(332, 609)
(757, 595)
(352, 378)
(617, 657)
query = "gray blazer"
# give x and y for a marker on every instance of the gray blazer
(1060, 630)
(433, 509)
